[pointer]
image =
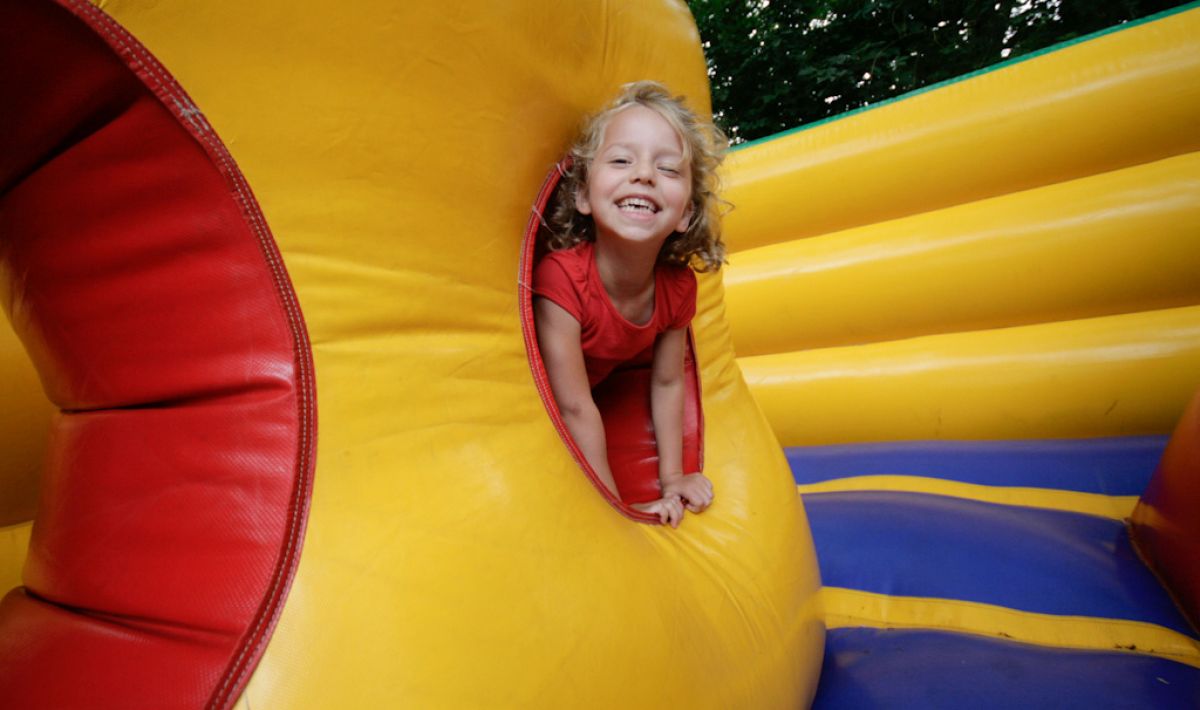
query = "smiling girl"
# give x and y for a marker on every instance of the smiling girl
(636, 214)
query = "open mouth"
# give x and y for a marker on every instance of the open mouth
(637, 204)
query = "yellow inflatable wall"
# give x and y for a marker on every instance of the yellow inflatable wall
(456, 556)
(1012, 255)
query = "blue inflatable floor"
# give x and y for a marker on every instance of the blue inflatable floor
(1035, 560)
(892, 668)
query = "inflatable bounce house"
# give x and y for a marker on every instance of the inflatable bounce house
(276, 433)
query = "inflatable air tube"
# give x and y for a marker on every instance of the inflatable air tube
(972, 315)
(224, 222)
(984, 259)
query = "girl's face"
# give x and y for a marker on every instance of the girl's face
(639, 187)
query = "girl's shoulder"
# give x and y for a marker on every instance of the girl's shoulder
(576, 252)
(677, 285)
(679, 278)
(563, 277)
(574, 261)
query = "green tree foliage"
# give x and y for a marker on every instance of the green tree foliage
(776, 64)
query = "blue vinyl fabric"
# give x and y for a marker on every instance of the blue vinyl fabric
(1030, 559)
(1045, 561)
(923, 670)
(1112, 466)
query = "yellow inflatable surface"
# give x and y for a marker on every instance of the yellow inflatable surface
(1011, 255)
(455, 554)
(986, 260)
(1008, 262)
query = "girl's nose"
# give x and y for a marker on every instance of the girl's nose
(643, 172)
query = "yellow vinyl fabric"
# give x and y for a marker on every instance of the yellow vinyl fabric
(855, 608)
(1126, 98)
(455, 554)
(1014, 255)
(1011, 255)
(24, 427)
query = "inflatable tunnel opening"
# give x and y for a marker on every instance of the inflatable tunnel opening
(140, 276)
(623, 397)
(194, 546)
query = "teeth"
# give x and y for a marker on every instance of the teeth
(637, 203)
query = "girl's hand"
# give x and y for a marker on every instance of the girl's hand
(694, 488)
(669, 509)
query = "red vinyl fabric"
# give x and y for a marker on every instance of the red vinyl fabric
(139, 273)
(624, 403)
(1166, 523)
(623, 398)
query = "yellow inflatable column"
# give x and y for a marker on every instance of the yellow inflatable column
(1012, 255)
(456, 556)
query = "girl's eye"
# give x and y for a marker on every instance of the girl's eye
(619, 161)
(669, 170)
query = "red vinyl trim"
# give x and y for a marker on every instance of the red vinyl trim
(252, 639)
(172, 95)
(537, 366)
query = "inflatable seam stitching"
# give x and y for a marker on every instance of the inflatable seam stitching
(164, 85)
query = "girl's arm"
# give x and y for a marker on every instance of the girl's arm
(666, 403)
(666, 407)
(558, 339)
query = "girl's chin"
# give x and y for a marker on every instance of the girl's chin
(634, 236)
(638, 229)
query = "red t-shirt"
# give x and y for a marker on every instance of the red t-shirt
(569, 279)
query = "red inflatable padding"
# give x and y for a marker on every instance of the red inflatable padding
(138, 271)
(1166, 523)
(623, 398)
(624, 402)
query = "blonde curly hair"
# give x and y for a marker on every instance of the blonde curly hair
(704, 146)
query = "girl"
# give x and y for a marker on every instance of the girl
(636, 213)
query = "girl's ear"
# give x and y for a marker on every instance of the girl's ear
(686, 220)
(581, 202)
